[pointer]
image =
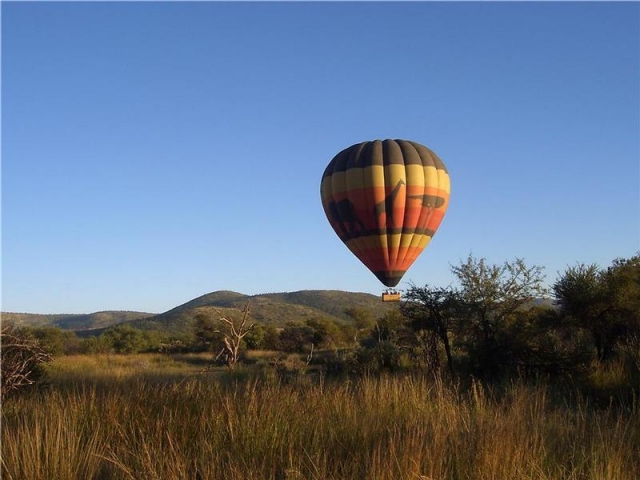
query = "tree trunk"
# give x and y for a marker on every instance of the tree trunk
(447, 349)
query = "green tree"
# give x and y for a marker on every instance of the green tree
(255, 339)
(490, 296)
(363, 320)
(604, 302)
(271, 338)
(124, 338)
(326, 333)
(622, 285)
(296, 337)
(97, 345)
(581, 297)
(536, 340)
(432, 311)
(382, 349)
(206, 330)
(57, 341)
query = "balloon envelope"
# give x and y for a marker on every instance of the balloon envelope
(385, 200)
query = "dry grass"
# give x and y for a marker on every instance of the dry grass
(77, 369)
(132, 425)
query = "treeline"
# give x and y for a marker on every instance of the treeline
(493, 323)
(207, 335)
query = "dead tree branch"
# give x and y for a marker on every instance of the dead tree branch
(22, 358)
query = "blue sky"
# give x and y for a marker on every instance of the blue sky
(155, 152)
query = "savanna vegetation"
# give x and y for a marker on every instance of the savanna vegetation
(482, 380)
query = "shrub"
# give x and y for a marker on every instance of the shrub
(22, 360)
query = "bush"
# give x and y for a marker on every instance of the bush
(124, 338)
(57, 341)
(22, 360)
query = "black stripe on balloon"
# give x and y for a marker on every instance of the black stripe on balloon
(352, 235)
(390, 278)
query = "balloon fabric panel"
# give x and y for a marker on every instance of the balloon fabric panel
(385, 200)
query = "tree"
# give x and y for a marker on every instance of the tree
(124, 338)
(326, 332)
(207, 331)
(233, 331)
(296, 337)
(622, 285)
(362, 318)
(387, 339)
(490, 295)
(271, 338)
(580, 295)
(57, 341)
(578, 289)
(604, 302)
(97, 345)
(255, 339)
(432, 310)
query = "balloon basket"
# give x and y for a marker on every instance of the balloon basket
(391, 296)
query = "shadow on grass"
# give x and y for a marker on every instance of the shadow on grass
(194, 360)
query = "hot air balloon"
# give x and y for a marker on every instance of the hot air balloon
(385, 199)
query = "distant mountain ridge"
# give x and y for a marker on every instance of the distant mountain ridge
(270, 308)
(74, 321)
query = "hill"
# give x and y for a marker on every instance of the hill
(269, 308)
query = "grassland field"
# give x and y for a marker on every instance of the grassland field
(166, 417)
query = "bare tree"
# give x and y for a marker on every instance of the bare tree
(233, 332)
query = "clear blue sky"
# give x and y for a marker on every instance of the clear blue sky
(155, 152)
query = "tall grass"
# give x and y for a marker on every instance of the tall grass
(202, 427)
